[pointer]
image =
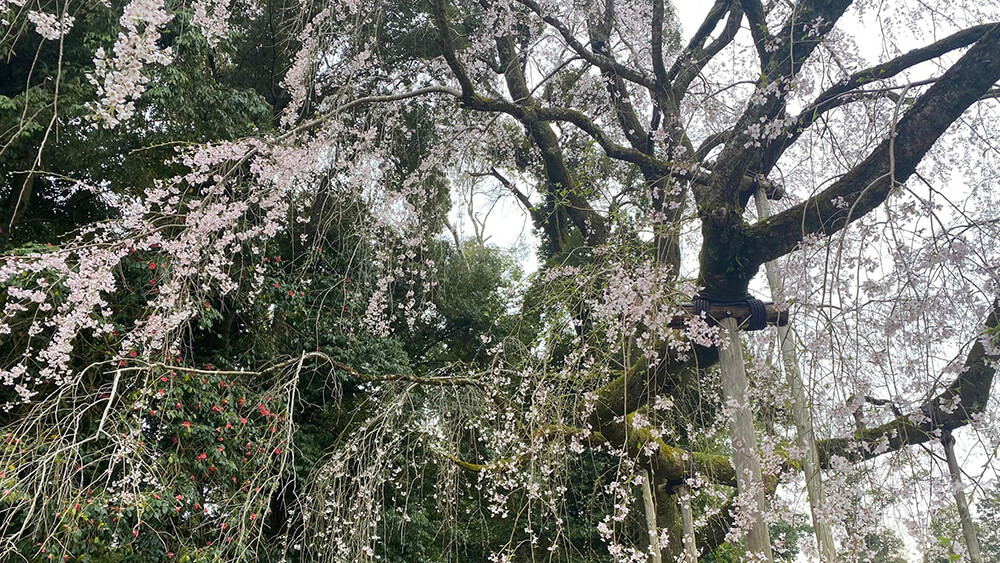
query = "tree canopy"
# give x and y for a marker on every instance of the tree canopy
(244, 318)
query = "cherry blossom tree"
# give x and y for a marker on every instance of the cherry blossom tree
(275, 342)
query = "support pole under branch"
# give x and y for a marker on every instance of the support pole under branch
(687, 518)
(745, 461)
(968, 527)
(805, 437)
(650, 507)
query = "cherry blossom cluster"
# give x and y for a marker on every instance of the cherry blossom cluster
(120, 78)
(49, 26)
(212, 18)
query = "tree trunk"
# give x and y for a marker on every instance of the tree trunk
(804, 435)
(745, 460)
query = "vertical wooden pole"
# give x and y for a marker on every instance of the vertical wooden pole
(687, 518)
(805, 437)
(745, 461)
(968, 528)
(650, 506)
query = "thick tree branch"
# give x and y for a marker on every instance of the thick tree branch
(656, 44)
(801, 34)
(804, 30)
(953, 408)
(693, 65)
(590, 223)
(758, 29)
(668, 463)
(644, 381)
(701, 35)
(562, 185)
(868, 184)
(448, 49)
(842, 92)
(600, 38)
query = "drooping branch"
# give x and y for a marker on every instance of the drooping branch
(953, 408)
(869, 183)
(670, 465)
(443, 381)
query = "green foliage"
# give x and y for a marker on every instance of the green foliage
(885, 546)
(64, 169)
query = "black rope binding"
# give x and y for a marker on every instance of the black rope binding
(701, 305)
(758, 312)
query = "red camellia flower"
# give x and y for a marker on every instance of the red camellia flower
(186, 424)
(152, 265)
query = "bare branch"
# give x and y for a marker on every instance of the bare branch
(844, 91)
(599, 60)
(868, 184)
(693, 64)
(659, 71)
(700, 36)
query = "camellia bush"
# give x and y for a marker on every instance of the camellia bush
(244, 318)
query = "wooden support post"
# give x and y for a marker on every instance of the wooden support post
(690, 554)
(745, 460)
(968, 528)
(650, 506)
(805, 437)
